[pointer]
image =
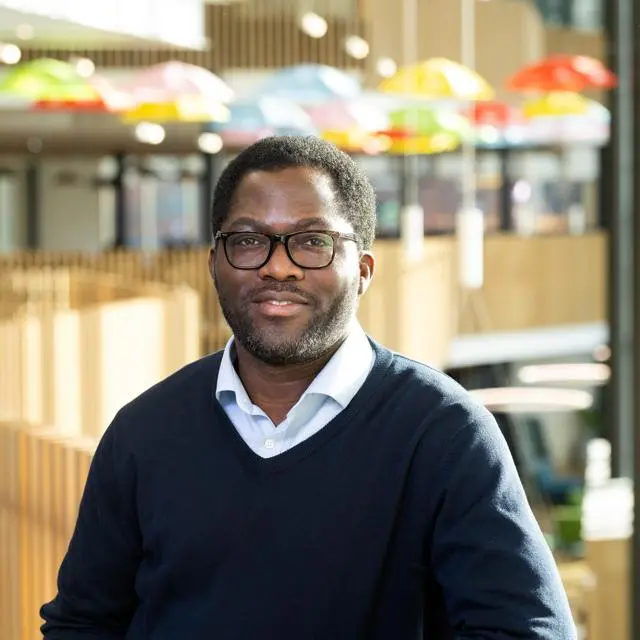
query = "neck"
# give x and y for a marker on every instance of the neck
(276, 389)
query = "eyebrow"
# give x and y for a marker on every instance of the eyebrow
(252, 223)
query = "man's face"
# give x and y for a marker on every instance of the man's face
(313, 307)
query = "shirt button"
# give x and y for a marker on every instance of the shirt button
(269, 444)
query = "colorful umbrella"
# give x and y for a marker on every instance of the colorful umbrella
(54, 84)
(567, 118)
(424, 130)
(563, 73)
(439, 79)
(493, 113)
(349, 114)
(350, 124)
(557, 103)
(177, 91)
(497, 123)
(252, 120)
(309, 84)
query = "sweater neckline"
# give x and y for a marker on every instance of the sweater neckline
(258, 464)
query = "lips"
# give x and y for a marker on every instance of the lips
(280, 297)
(279, 304)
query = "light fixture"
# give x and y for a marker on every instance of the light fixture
(470, 234)
(34, 145)
(24, 32)
(107, 168)
(602, 353)
(192, 165)
(533, 399)
(386, 67)
(313, 25)
(522, 192)
(84, 67)
(489, 134)
(210, 143)
(150, 133)
(10, 54)
(356, 47)
(586, 372)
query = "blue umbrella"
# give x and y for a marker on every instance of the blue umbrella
(252, 120)
(310, 84)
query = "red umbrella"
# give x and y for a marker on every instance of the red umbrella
(563, 73)
(494, 114)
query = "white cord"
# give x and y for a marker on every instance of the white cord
(468, 59)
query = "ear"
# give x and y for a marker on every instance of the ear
(367, 267)
(212, 257)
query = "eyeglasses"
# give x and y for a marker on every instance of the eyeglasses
(306, 249)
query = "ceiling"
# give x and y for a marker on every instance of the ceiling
(57, 33)
(326, 8)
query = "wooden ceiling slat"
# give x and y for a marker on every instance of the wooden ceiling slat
(238, 40)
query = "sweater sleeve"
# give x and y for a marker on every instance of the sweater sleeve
(497, 574)
(96, 596)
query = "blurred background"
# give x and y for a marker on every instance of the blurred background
(500, 136)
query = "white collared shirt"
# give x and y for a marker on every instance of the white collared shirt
(329, 393)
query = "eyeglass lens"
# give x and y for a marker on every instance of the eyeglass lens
(310, 250)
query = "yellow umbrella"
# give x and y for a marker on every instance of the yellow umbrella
(557, 104)
(424, 145)
(439, 79)
(357, 141)
(351, 140)
(187, 109)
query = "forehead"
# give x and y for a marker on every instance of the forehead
(285, 197)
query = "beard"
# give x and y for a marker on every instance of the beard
(274, 344)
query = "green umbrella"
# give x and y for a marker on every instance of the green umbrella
(47, 80)
(427, 121)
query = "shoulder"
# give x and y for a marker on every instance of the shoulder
(431, 387)
(181, 396)
(442, 406)
(456, 431)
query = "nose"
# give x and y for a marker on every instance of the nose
(280, 267)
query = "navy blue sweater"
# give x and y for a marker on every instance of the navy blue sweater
(403, 518)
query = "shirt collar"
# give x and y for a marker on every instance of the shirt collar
(347, 369)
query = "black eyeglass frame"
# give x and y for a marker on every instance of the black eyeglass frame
(275, 238)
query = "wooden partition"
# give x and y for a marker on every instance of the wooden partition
(416, 308)
(538, 282)
(71, 359)
(42, 479)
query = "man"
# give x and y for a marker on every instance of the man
(306, 483)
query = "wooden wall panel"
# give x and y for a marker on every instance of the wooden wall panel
(508, 35)
(538, 282)
(238, 39)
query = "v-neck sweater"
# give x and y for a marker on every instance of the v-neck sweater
(402, 518)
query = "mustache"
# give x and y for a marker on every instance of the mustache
(282, 287)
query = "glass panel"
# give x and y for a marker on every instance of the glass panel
(555, 192)
(383, 172)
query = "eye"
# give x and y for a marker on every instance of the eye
(247, 240)
(317, 240)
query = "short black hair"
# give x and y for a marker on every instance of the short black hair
(355, 192)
